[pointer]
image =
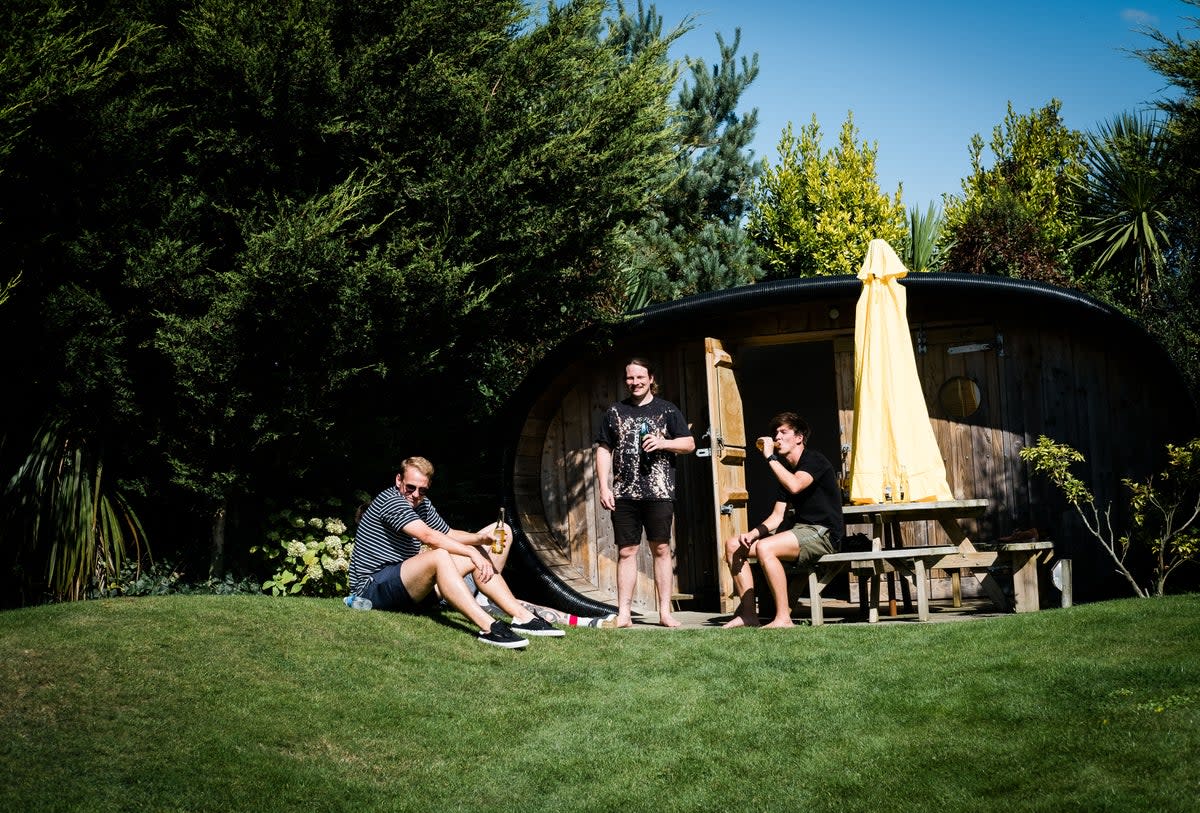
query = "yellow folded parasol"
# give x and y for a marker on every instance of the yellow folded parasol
(893, 442)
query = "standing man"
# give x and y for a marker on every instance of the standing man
(390, 568)
(636, 447)
(805, 524)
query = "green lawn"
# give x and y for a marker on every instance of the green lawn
(248, 703)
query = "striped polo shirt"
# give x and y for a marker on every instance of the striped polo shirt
(380, 540)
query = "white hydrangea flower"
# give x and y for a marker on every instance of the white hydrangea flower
(333, 541)
(316, 522)
(295, 548)
(341, 564)
(315, 571)
(297, 522)
(335, 526)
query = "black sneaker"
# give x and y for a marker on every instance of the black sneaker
(538, 626)
(501, 634)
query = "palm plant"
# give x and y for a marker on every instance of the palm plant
(921, 252)
(69, 516)
(1124, 199)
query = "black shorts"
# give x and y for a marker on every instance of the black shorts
(386, 591)
(630, 517)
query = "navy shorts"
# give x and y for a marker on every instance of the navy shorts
(386, 591)
(630, 517)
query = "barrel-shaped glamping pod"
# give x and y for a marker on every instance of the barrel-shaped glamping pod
(1001, 362)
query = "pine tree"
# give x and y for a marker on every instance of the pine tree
(693, 238)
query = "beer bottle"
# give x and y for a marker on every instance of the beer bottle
(498, 538)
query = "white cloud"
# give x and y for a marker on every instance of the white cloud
(1136, 16)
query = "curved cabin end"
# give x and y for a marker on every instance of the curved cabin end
(552, 486)
(1001, 362)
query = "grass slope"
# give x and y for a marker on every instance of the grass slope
(244, 703)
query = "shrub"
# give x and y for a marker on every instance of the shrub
(165, 578)
(310, 553)
(1166, 513)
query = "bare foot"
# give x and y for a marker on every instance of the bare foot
(740, 621)
(623, 622)
(668, 620)
(779, 623)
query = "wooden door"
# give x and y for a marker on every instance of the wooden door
(727, 434)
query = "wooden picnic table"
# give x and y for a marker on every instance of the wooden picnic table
(885, 519)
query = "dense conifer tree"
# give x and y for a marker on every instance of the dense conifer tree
(1174, 312)
(288, 241)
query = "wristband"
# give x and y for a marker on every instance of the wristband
(774, 457)
(763, 533)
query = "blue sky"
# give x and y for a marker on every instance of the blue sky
(922, 78)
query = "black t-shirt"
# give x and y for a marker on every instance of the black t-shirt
(639, 475)
(821, 502)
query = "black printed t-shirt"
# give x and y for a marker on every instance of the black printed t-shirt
(639, 475)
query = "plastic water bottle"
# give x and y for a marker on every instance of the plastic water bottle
(357, 602)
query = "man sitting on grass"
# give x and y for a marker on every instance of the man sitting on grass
(390, 569)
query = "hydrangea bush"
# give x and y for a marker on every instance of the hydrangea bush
(310, 552)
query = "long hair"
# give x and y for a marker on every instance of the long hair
(642, 362)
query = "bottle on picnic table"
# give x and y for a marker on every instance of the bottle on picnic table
(499, 536)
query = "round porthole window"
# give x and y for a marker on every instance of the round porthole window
(959, 397)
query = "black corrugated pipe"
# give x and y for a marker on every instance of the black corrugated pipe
(554, 592)
(772, 292)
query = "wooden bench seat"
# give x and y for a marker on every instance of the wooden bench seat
(1024, 558)
(871, 564)
(678, 597)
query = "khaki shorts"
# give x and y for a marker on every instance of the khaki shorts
(813, 541)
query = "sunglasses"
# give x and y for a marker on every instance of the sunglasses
(420, 491)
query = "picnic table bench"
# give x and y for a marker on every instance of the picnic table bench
(870, 565)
